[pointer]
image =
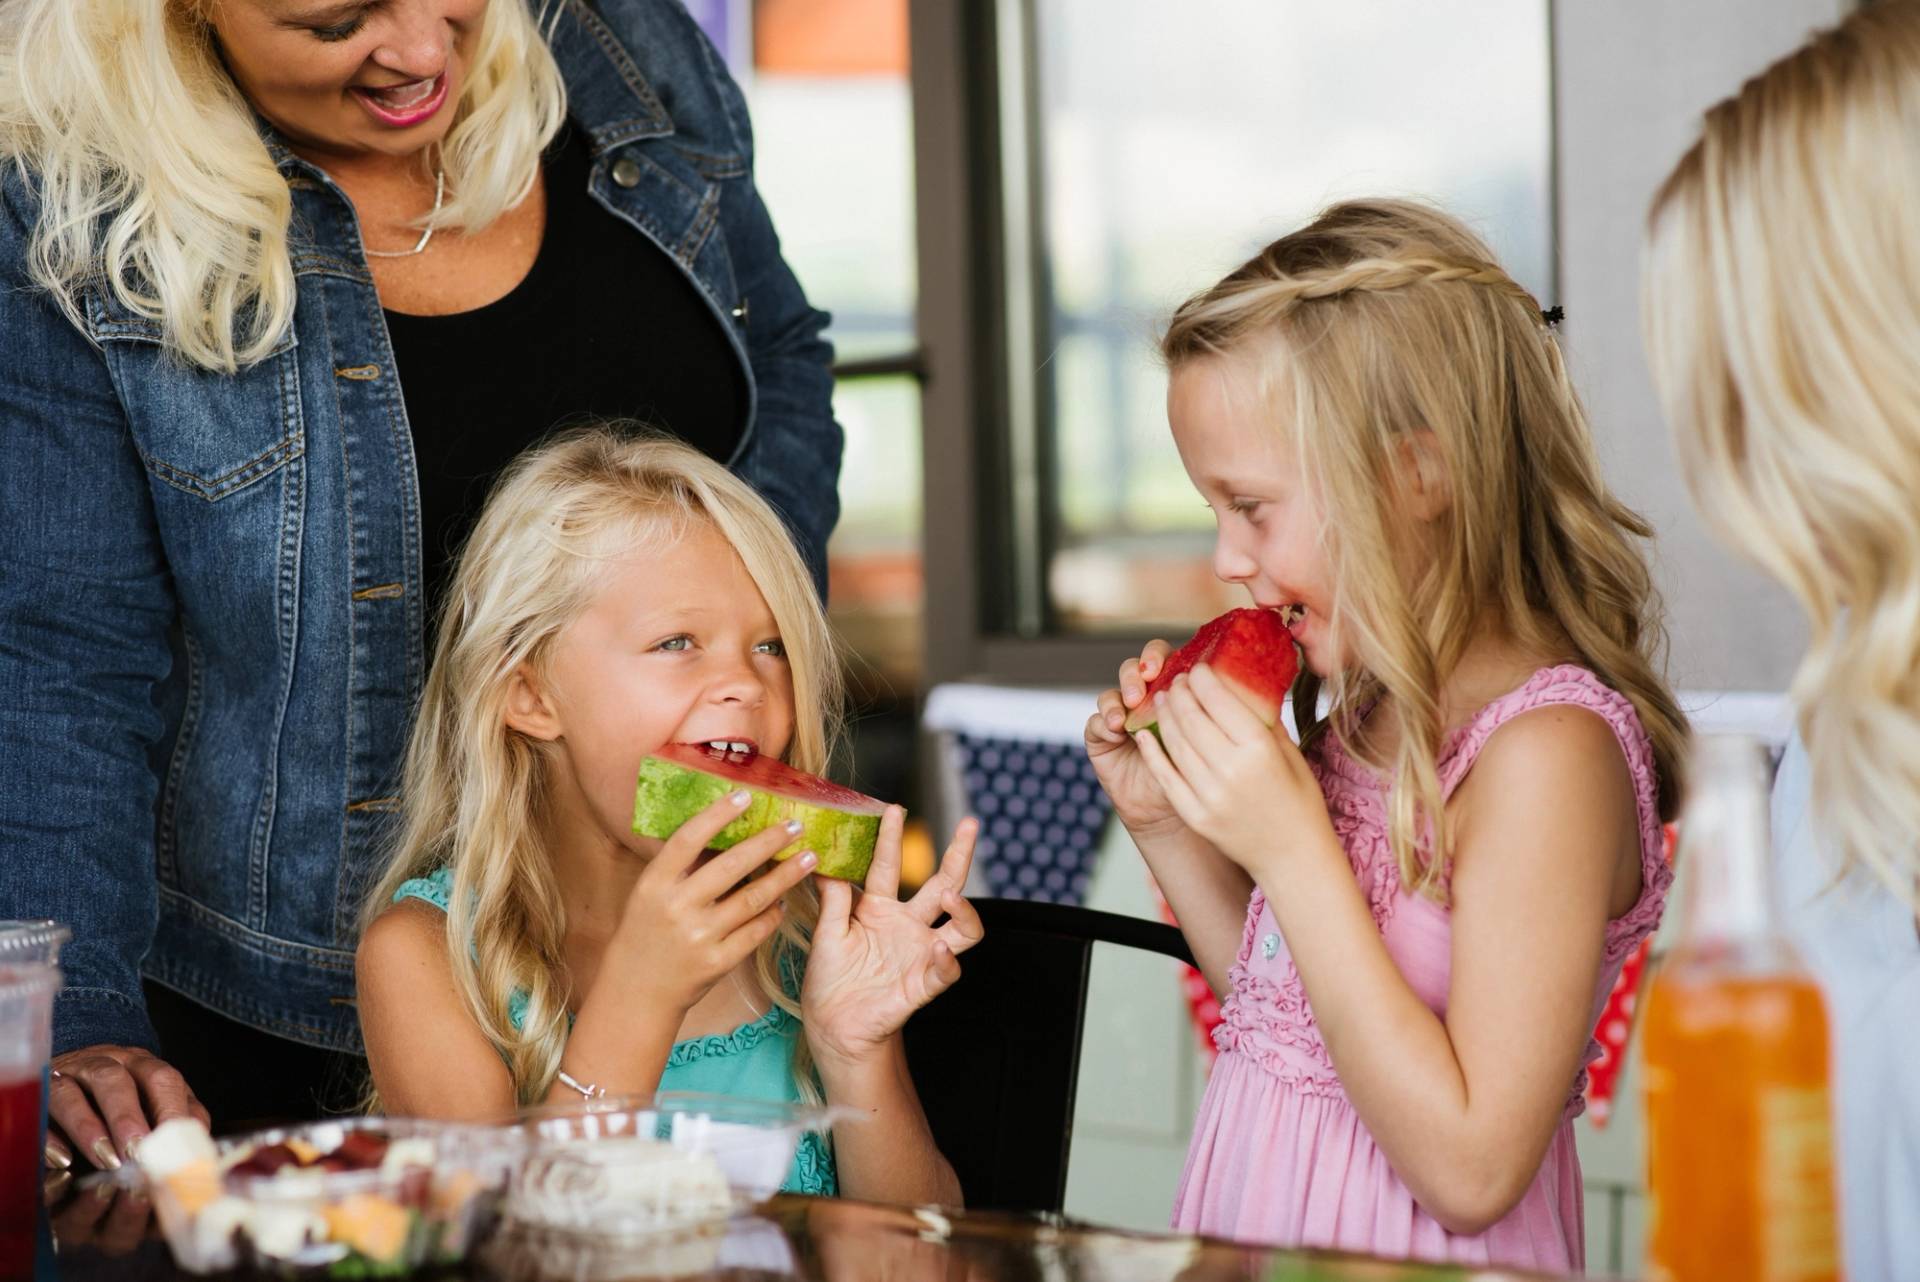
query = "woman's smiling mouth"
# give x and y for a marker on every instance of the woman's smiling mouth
(404, 105)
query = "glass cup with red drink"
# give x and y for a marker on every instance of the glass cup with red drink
(29, 978)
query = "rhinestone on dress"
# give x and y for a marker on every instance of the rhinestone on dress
(1269, 946)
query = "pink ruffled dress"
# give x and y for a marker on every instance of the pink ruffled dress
(1279, 1155)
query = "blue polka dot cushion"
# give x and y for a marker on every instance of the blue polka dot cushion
(1041, 814)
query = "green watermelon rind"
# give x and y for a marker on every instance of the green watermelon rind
(668, 794)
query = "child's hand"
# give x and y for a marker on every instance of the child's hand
(1234, 780)
(686, 927)
(1137, 797)
(876, 960)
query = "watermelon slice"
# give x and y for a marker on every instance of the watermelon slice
(682, 779)
(1251, 650)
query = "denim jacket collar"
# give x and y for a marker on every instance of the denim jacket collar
(614, 110)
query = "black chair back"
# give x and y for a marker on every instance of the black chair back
(996, 1058)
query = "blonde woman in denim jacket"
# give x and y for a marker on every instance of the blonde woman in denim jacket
(282, 283)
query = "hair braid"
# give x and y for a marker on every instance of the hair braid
(1264, 292)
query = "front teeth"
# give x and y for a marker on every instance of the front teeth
(404, 96)
(729, 745)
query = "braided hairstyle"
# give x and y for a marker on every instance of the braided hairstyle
(1382, 319)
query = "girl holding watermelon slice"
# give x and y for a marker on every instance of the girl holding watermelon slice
(1413, 919)
(620, 593)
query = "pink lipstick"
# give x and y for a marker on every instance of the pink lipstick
(407, 105)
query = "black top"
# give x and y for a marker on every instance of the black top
(605, 325)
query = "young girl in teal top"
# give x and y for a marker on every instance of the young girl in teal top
(617, 594)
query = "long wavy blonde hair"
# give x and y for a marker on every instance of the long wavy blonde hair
(1782, 309)
(154, 182)
(1382, 319)
(475, 794)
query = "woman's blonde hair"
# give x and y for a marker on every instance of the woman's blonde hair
(153, 180)
(475, 792)
(1376, 323)
(1782, 308)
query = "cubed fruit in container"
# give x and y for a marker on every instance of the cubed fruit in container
(359, 1197)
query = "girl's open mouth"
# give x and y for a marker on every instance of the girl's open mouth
(403, 106)
(733, 748)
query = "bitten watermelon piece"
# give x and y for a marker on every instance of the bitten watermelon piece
(1251, 650)
(682, 779)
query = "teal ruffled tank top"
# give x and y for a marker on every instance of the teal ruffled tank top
(754, 1061)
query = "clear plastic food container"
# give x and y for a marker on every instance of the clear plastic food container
(354, 1197)
(744, 1245)
(624, 1168)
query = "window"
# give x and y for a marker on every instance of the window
(1164, 147)
(827, 85)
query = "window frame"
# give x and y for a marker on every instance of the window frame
(976, 281)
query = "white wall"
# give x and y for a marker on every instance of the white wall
(1631, 79)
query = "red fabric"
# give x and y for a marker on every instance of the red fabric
(1616, 1023)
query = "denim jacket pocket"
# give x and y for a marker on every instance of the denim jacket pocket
(202, 432)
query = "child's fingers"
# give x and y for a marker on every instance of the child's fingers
(1227, 710)
(1100, 735)
(736, 863)
(768, 889)
(752, 933)
(1198, 742)
(1104, 737)
(1136, 673)
(963, 928)
(883, 876)
(942, 973)
(681, 850)
(1153, 658)
(836, 909)
(1173, 742)
(955, 864)
(1110, 717)
(1164, 773)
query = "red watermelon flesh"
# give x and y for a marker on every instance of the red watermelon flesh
(681, 779)
(1250, 649)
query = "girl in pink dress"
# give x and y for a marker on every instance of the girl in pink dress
(1415, 918)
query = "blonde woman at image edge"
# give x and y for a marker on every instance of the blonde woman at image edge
(1783, 324)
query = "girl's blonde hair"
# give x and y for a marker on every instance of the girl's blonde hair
(154, 182)
(1382, 320)
(1782, 308)
(475, 793)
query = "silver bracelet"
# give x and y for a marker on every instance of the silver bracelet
(586, 1089)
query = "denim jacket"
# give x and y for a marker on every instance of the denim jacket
(210, 585)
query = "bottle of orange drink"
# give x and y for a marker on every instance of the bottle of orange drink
(1739, 1121)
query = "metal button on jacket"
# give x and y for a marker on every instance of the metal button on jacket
(626, 172)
